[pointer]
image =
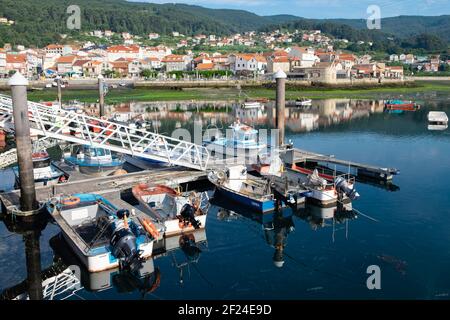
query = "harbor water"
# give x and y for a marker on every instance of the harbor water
(305, 254)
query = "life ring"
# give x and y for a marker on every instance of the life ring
(70, 201)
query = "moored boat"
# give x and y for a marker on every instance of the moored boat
(251, 105)
(325, 190)
(100, 234)
(94, 161)
(243, 142)
(401, 105)
(179, 212)
(45, 173)
(249, 191)
(302, 102)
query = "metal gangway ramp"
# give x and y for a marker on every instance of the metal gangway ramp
(55, 123)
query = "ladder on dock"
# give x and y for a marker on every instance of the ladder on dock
(78, 128)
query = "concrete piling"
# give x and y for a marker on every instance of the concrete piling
(58, 82)
(101, 95)
(280, 78)
(18, 85)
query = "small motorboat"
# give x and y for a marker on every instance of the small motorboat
(179, 212)
(401, 105)
(247, 190)
(325, 190)
(244, 142)
(45, 173)
(251, 105)
(437, 120)
(93, 161)
(100, 234)
(303, 102)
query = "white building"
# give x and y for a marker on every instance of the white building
(2, 62)
(120, 51)
(247, 62)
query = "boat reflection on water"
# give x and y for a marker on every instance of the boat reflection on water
(185, 251)
(320, 217)
(276, 225)
(145, 280)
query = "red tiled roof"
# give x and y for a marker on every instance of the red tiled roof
(280, 59)
(205, 66)
(16, 58)
(80, 63)
(66, 59)
(173, 58)
(123, 49)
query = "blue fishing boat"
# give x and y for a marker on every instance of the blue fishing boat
(250, 191)
(100, 234)
(243, 141)
(94, 161)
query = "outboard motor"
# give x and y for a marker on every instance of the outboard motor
(343, 186)
(188, 215)
(123, 243)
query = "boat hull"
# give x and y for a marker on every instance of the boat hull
(105, 260)
(254, 204)
(99, 171)
(172, 227)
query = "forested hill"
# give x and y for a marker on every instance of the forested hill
(41, 22)
(407, 26)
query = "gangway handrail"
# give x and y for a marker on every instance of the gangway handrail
(56, 123)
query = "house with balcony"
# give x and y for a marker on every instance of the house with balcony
(114, 53)
(92, 68)
(16, 62)
(64, 65)
(245, 64)
(174, 62)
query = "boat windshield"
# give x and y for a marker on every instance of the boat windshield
(97, 152)
(41, 163)
(245, 136)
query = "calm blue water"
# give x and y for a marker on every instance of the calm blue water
(409, 243)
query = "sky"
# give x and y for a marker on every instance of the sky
(326, 8)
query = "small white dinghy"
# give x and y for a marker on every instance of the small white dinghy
(437, 120)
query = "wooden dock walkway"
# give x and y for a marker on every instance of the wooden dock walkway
(110, 185)
(360, 169)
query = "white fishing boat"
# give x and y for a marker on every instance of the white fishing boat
(251, 105)
(243, 142)
(100, 234)
(179, 212)
(45, 173)
(303, 102)
(323, 191)
(247, 190)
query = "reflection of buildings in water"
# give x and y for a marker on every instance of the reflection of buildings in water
(251, 116)
(302, 121)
